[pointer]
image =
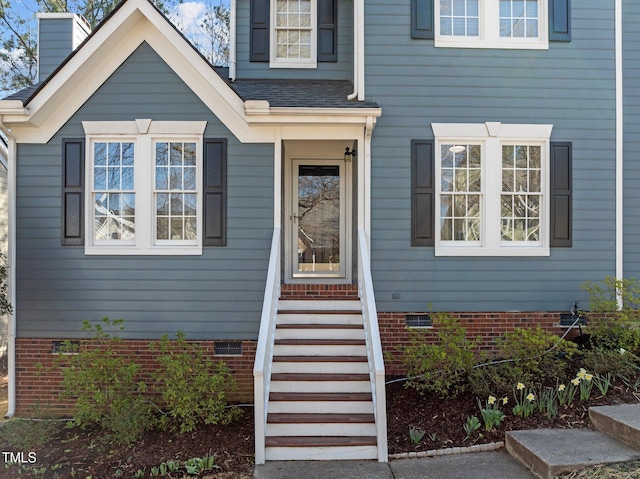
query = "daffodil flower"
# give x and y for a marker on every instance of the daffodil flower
(562, 387)
(491, 400)
(531, 397)
(588, 377)
(505, 400)
(520, 386)
(575, 381)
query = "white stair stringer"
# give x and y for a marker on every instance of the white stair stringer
(320, 404)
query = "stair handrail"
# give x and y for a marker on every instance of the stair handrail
(374, 345)
(264, 348)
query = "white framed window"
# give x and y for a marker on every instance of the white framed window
(517, 24)
(293, 35)
(491, 189)
(144, 183)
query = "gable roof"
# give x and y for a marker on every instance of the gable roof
(37, 113)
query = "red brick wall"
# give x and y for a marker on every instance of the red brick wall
(319, 291)
(39, 372)
(487, 326)
(38, 377)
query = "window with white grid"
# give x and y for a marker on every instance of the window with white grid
(294, 34)
(517, 24)
(491, 181)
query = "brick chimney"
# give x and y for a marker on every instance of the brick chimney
(58, 35)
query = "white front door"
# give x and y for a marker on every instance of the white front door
(317, 237)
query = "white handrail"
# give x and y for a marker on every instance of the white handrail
(264, 348)
(374, 345)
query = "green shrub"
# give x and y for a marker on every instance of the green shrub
(539, 355)
(496, 378)
(193, 388)
(103, 383)
(440, 368)
(602, 361)
(612, 324)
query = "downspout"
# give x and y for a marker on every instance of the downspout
(11, 177)
(358, 51)
(232, 41)
(619, 145)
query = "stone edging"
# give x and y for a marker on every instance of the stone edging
(492, 446)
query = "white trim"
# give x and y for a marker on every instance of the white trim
(144, 140)
(136, 21)
(619, 144)
(317, 152)
(232, 40)
(491, 136)
(274, 61)
(489, 30)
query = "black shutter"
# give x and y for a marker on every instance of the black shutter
(259, 38)
(560, 20)
(73, 192)
(561, 214)
(215, 192)
(327, 30)
(422, 193)
(422, 19)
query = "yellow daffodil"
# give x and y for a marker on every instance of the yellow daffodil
(575, 381)
(588, 377)
(562, 387)
(531, 397)
(491, 400)
(505, 400)
(520, 386)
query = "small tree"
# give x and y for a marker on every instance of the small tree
(5, 305)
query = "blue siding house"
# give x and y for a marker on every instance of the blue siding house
(296, 210)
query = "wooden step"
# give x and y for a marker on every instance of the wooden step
(319, 326)
(320, 359)
(311, 418)
(319, 342)
(318, 377)
(311, 312)
(291, 396)
(320, 441)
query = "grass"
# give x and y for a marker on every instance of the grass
(629, 470)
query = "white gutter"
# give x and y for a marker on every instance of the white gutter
(619, 145)
(232, 41)
(358, 51)
(11, 177)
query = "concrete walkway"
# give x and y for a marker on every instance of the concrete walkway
(479, 465)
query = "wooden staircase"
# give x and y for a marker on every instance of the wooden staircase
(320, 401)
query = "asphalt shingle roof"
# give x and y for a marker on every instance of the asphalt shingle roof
(296, 93)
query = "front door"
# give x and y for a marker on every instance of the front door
(318, 219)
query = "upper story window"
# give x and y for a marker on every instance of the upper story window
(293, 40)
(490, 189)
(145, 187)
(293, 33)
(491, 24)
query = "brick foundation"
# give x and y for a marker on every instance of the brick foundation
(319, 291)
(488, 327)
(38, 372)
(38, 377)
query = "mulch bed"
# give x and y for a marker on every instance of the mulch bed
(233, 445)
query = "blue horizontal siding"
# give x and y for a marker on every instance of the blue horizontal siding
(216, 295)
(570, 85)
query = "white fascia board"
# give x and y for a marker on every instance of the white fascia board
(312, 115)
(135, 22)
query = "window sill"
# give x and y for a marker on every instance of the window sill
(286, 64)
(506, 251)
(507, 44)
(133, 251)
